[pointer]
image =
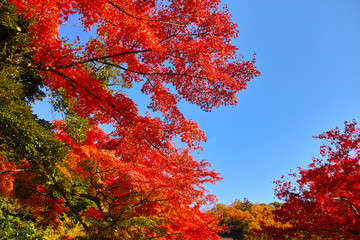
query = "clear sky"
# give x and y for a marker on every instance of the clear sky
(308, 52)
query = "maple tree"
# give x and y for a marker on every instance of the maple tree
(323, 200)
(134, 182)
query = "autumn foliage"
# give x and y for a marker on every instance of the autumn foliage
(323, 200)
(134, 182)
(245, 220)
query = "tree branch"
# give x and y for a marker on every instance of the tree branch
(11, 171)
(68, 203)
(350, 205)
(113, 107)
(138, 18)
(151, 73)
(99, 58)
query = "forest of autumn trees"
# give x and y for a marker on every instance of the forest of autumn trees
(69, 179)
(245, 220)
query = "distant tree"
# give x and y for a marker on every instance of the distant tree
(245, 220)
(244, 205)
(324, 199)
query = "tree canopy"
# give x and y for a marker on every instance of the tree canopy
(134, 182)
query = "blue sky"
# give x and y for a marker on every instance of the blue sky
(308, 52)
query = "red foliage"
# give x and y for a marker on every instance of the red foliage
(141, 183)
(324, 199)
(137, 169)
